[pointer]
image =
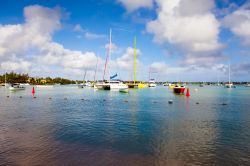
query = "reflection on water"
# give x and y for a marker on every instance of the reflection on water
(110, 128)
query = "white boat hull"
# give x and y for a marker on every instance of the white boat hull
(152, 85)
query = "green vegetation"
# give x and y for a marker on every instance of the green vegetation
(24, 78)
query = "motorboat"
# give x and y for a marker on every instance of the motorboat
(179, 89)
(151, 83)
(16, 86)
(230, 85)
(248, 85)
(123, 90)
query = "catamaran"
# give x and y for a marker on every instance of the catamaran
(110, 84)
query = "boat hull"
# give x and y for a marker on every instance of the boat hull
(179, 90)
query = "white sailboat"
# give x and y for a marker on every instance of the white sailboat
(82, 84)
(229, 84)
(110, 84)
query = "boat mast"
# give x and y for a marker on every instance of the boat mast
(5, 80)
(229, 73)
(84, 76)
(96, 68)
(134, 59)
(110, 47)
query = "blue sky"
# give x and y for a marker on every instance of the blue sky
(182, 40)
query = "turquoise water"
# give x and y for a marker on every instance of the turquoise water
(65, 125)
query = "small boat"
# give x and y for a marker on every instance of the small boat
(88, 84)
(248, 85)
(178, 89)
(151, 83)
(171, 86)
(16, 87)
(166, 84)
(142, 85)
(81, 85)
(123, 90)
(230, 85)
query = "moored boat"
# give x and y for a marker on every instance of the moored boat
(178, 89)
(123, 90)
(16, 87)
(230, 85)
(151, 83)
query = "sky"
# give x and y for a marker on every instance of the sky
(177, 40)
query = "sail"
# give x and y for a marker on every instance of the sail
(111, 77)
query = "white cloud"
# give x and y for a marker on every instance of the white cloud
(33, 37)
(19, 65)
(189, 24)
(158, 67)
(239, 23)
(132, 5)
(94, 36)
(113, 47)
(78, 28)
(126, 61)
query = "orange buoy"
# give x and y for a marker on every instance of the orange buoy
(187, 94)
(33, 90)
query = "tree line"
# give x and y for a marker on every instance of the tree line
(25, 78)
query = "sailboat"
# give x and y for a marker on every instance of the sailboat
(82, 84)
(151, 82)
(110, 84)
(229, 84)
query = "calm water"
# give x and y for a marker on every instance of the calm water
(88, 127)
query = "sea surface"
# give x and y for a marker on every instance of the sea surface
(65, 125)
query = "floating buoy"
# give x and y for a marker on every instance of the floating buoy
(197, 103)
(7, 96)
(182, 91)
(20, 96)
(187, 94)
(50, 98)
(104, 99)
(33, 90)
(224, 104)
(126, 101)
(170, 101)
(34, 97)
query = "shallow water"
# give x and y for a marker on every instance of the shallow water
(88, 127)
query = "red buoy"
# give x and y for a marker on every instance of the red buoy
(182, 91)
(33, 90)
(187, 94)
